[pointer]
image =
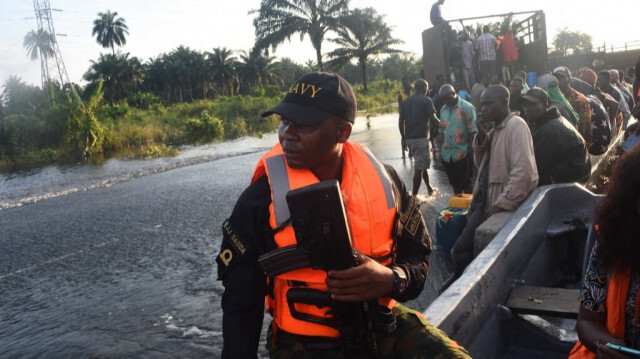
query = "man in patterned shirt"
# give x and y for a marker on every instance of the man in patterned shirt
(458, 119)
(486, 45)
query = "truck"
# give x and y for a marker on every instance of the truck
(529, 27)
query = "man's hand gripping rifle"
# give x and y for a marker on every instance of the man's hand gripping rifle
(324, 242)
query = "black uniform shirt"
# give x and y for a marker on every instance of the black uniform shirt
(247, 235)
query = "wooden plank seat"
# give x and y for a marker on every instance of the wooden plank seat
(556, 302)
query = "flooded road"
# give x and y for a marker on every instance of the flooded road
(117, 261)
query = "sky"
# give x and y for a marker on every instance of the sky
(160, 26)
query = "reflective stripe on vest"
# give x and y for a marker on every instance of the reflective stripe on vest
(384, 177)
(370, 207)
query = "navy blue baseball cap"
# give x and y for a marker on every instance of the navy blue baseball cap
(316, 96)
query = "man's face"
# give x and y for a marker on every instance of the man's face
(309, 146)
(615, 76)
(491, 107)
(563, 80)
(603, 82)
(515, 88)
(449, 98)
(534, 109)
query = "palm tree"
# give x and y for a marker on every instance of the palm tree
(363, 34)
(110, 30)
(18, 97)
(13, 86)
(278, 20)
(122, 76)
(184, 69)
(310, 65)
(39, 42)
(289, 72)
(156, 79)
(223, 65)
(256, 70)
(401, 67)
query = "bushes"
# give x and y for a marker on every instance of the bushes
(241, 115)
(143, 100)
(115, 110)
(192, 109)
(38, 158)
(66, 129)
(160, 150)
(12, 142)
(20, 134)
(6, 164)
(235, 128)
(269, 91)
(204, 129)
(377, 100)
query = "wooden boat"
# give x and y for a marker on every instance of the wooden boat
(519, 297)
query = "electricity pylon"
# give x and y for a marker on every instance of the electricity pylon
(53, 65)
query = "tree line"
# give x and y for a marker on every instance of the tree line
(187, 95)
(185, 74)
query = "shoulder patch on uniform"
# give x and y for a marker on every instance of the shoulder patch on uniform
(233, 236)
(232, 249)
(411, 216)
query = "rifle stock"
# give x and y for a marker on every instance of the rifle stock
(320, 224)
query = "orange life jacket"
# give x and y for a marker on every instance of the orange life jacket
(617, 294)
(371, 212)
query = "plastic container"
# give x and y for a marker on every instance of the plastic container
(532, 77)
(449, 224)
(463, 201)
(630, 142)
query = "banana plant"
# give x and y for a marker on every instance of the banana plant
(84, 130)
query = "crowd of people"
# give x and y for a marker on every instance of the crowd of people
(569, 117)
(508, 141)
(474, 53)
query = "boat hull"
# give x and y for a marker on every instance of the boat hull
(543, 244)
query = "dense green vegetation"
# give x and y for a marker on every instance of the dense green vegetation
(131, 107)
(38, 131)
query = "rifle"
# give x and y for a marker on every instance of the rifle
(324, 242)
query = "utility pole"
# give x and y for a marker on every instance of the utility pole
(49, 66)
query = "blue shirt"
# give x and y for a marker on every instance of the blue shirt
(463, 94)
(435, 16)
(459, 123)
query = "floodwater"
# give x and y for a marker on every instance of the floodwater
(117, 260)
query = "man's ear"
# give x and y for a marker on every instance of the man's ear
(344, 131)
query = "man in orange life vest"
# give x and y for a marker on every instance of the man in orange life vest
(385, 222)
